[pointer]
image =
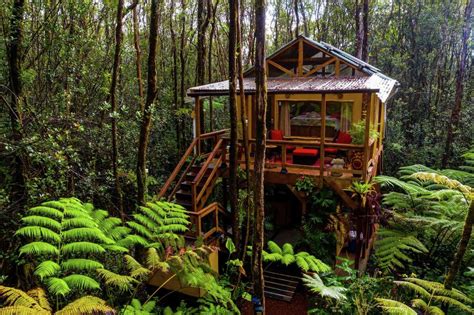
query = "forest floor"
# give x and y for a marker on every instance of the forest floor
(297, 306)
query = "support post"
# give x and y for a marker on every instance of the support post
(300, 58)
(366, 98)
(323, 140)
(197, 122)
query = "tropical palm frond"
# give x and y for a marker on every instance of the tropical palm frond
(87, 305)
(47, 268)
(393, 307)
(316, 285)
(120, 282)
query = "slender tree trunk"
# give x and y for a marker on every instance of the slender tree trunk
(18, 190)
(150, 99)
(259, 164)
(203, 22)
(460, 76)
(297, 17)
(175, 80)
(209, 61)
(114, 108)
(182, 62)
(233, 189)
(362, 25)
(462, 247)
(138, 60)
(245, 136)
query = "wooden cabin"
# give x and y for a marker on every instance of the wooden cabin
(323, 105)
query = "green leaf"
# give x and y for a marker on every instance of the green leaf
(120, 282)
(393, 307)
(47, 269)
(42, 221)
(229, 244)
(46, 211)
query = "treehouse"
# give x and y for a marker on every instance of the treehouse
(325, 120)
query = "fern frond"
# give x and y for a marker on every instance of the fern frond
(118, 233)
(287, 259)
(58, 286)
(302, 264)
(442, 180)
(42, 221)
(137, 271)
(121, 282)
(393, 307)
(16, 297)
(40, 296)
(132, 240)
(116, 248)
(85, 233)
(46, 211)
(46, 269)
(39, 248)
(82, 248)
(274, 248)
(87, 305)
(418, 289)
(22, 310)
(453, 302)
(140, 229)
(80, 264)
(79, 223)
(38, 232)
(288, 249)
(81, 282)
(316, 285)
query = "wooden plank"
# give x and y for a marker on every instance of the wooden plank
(338, 67)
(197, 122)
(300, 58)
(314, 70)
(280, 67)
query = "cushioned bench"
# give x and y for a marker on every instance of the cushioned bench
(305, 156)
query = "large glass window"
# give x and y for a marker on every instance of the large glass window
(303, 119)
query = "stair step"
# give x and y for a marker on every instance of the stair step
(183, 195)
(185, 204)
(280, 286)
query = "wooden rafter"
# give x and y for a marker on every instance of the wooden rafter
(280, 67)
(300, 58)
(321, 66)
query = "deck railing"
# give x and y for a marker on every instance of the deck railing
(215, 213)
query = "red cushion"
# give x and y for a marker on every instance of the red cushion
(330, 150)
(344, 137)
(305, 152)
(276, 135)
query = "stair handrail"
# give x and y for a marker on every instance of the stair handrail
(197, 180)
(178, 167)
(183, 175)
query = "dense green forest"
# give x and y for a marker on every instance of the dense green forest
(95, 116)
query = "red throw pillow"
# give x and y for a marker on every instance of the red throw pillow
(276, 135)
(344, 137)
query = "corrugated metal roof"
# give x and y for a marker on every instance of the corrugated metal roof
(375, 81)
(295, 85)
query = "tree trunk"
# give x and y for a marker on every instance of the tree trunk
(297, 17)
(460, 75)
(245, 137)
(150, 99)
(209, 61)
(113, 108)
(138, 60)
(261, 106)
(175, 80)
(462, 247)
(18, 191)
(182, 61)
(233, 189)
(203, 22)
(362, 26)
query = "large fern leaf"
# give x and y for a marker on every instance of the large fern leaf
(47, 269)
(82, 248)
(39, 248)
(16, 297)
(80, 264)
(120, 282)
(58, 286)
(87, 305)
(81, 282)
(393, 307)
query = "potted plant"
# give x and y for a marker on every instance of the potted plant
(357, 133)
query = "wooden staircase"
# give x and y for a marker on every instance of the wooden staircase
(192, 181)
